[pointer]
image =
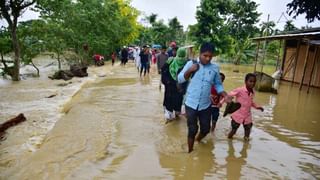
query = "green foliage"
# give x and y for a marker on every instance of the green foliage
(11, 11)
(267, 28)
(160, 33)
(244, 52)
(176, 31)
(5, 47)
(242, 20)
(31, 43)
(309, 7)
(273, 49)
(211, 16)
(5, 41)
(289, 26)
(229, 25)
(104, 25)
(241, 25)
(152, 18)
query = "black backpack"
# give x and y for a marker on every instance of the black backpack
(182, 87)
(166, 78)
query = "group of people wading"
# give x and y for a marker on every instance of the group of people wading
(198, 84)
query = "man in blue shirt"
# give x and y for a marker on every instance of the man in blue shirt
(204, 75)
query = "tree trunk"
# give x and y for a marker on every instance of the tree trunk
(2, 60)
(16, 48)
(59, 62)
(237, 61)
(38, 71)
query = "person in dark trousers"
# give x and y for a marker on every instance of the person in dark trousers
(144, 58)
(216, 101)
(162, 58)
(124, 56)
(198, 104)
(244, 95)
(172, 96)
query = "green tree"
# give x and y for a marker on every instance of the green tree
(289, 26)
(310, 7)
(161, 33)
(5, 47)
(267, 28)
(175, 31)
(242, 19)
(11, 11)
(152, 18)
(244, 51)
(241, 25)
(306, 27)
(211, 16)
(145, 36)
(30, 41)
(227, 23)
(103, 25)
(55, 40)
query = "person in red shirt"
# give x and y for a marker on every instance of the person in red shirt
(216, 104)
(98, 59)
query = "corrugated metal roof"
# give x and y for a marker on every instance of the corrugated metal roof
(288, 36)
(315, 42)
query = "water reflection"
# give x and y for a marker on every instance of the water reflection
(197, 165)
(236, 163)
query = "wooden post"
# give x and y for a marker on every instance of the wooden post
(296, 59)
(304, 66)
(264, 54)
(313, 64)
(278, 59)
(284, 54)
(257, 55)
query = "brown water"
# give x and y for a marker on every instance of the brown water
(114, 129)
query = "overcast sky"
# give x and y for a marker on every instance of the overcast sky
(185, 10)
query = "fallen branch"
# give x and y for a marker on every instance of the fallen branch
(51, 96)
(12, 122)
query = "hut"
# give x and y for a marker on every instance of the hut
(300, 61)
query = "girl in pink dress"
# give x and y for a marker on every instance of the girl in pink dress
(244, 95)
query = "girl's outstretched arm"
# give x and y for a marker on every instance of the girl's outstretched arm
(256, 106)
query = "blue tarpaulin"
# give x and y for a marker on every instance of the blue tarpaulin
(156, 46)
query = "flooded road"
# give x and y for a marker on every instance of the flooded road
(113, 128)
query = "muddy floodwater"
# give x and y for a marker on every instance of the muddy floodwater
(113, 128)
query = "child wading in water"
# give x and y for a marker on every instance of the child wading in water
(244, 95)
(216, 104)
